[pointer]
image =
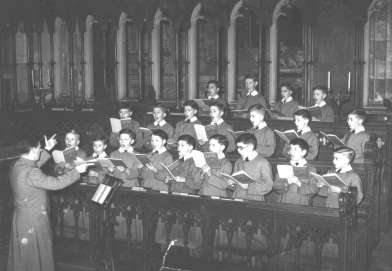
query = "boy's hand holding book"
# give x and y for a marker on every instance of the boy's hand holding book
(152, 168)
(294, 180)
(121, 168)
(206, 169)
(335, 189)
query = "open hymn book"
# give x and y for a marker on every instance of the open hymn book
(334, 139)
(330, 179)
(240, 177)
(106, 189)
(287, 135)
(119, 124)
(65, 156)
(201, 132)
(288, 171)
(169, 168)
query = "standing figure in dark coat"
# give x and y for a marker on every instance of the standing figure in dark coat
(31, 237)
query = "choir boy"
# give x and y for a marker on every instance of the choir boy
(153, 174)
(126, 153)
(71, 140)
(214, 93)
(302, 118)
(342, 159)
(319, 95)
(219, 126)
(214, 184)
(357, 138)
(159, 113)
(125, 113)
(186, 126)
(287, 105)
(97, 174)
(256, 166)
(188, 177)
(266, 141)
(297, 189)
(252, 96)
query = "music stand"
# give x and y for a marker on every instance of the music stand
(103, 196)
(163, 264)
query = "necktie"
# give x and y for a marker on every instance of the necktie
(188, 121)
(338, 171)
(154, 152)
(296, 164)
(284, 101)
(246, 159)
(299, 132)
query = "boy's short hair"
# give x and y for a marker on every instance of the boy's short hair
(215, 82)
(190, 140)
(360, 113)
(192, 104)
(286, 85)
(128, 132)
(303, 113)
(162, 107)
(221, 140)
(24, 146)
(257, 107)
(162, 134)
(100, 137)
(301, 143)
(125, 106)
(219, 105)
(74, 132)
(247, 139)
(324, 89)
(348, 152)
(254, 77)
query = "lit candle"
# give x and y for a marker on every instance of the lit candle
(329, 80)
(349, 81)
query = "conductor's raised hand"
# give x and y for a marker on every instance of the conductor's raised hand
(82, 168)
(50, 143)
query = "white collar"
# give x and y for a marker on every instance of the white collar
(101, 155)
(346, 169)
(252, 155)
(129, 149)
(221, 155)
(305, 130)
(300, 163)
(218, 122)
(359, 129)
(320, 104)
(252, 93)
(289, 99)
(187, 156)
(215, 97)
(261, 125)
(193, 119)
(161, 150)
(76, 148)
(160, 123)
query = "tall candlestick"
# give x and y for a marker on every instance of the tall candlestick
(349, 81)
(329, 80)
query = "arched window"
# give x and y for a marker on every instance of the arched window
(168, 67)
(61, 56)
(378, 53)
(132, 50)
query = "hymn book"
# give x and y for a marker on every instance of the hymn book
(201, 132)
(275, 114)
(287, 135)
(119, 124)
(236, 133)
(111, 162)
(169, 168)
(106, 189)
(143, 159)
(330, 179)
(240, 177)
(334, 139)
(212, 160)
(66, 156)
(288, 171)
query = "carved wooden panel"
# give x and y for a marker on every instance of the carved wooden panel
(133, 65)
(168, 61)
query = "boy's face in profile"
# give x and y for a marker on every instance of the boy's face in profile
(215, 146)
(71, 140)
(318, 95)
(125, 140)
(158, 114)
(340, 160)
(285, 92)
(353, 121)
(124, 113)
(189, 112)
(244, 149)
(183, 148)
(215, 113)
(296, 153)
(157, 142)
(256, 117)
(99, 146)
(300, 122)
(250, 84)
(212, 89)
